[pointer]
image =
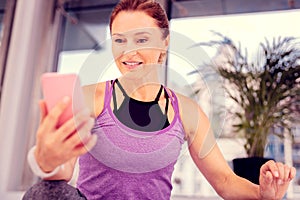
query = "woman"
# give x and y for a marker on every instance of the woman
(140, 126)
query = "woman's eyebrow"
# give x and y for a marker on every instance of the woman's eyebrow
(117, 34)
(138, 33)
(141, 33)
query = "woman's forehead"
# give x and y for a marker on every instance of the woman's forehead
(127, 21)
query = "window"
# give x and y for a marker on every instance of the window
(87, 41)
(52, 42)
(33, 29)
(240, 28)
(7, 9)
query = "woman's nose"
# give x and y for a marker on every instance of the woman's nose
(131, 48)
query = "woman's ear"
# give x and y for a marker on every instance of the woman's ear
(162, 57)
(163, 54)
(167, 42)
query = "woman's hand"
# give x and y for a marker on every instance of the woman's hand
(274, 180)
(57, 145)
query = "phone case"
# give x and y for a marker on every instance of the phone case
(55, 86)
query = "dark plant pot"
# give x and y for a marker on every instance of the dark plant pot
(249, 168)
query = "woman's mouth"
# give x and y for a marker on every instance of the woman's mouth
(132, 64)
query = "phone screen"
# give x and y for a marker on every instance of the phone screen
(55, 86)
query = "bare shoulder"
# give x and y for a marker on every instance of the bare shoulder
(192, 116)
(94, 97)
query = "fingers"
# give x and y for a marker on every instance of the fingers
(75, 134)
(285, 172)
(271, 167)
(269, 177)
(75, 125)
(281, 172)
(277, 171)
(88, 145)
(82, 135)
(52, 117)
(292, 173)
(73, 137)
(43, 110)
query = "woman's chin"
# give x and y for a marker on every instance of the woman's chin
(135, 73)
(145, 72)
(132, 68)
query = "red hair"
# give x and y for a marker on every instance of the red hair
(150, 7)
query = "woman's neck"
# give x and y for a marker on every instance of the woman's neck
(140, 90)
(144, 82)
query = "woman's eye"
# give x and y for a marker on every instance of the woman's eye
(142, 40)
(118, 40)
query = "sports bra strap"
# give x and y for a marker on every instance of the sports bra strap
(126, 95)
(168, 94)
(121, 88)
(159, 93)
(174, 99)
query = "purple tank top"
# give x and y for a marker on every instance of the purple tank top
(130, 164)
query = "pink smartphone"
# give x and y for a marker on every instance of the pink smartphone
(55, 86)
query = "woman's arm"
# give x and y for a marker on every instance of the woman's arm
(210, 161)
(66, 172)
(62, 145)
(221, 177)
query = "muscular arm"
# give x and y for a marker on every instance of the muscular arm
(274, 177)
(47, 138)
(209, 159)
(221, 177)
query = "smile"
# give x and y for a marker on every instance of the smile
(132, 64)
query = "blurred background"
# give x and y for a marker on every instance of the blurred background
(72, 36)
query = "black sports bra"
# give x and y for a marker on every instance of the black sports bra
(139, 115)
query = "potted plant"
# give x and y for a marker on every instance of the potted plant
(265, 92)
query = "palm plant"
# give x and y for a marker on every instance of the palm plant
(266, 91)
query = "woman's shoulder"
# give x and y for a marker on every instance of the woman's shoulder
(92, 88)
(184, 101)
(191, 114)
(94, 97)
(185, 104)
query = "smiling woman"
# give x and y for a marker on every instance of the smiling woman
(137, 43)
(141, 126)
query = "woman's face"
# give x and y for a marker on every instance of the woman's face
(136, 41)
